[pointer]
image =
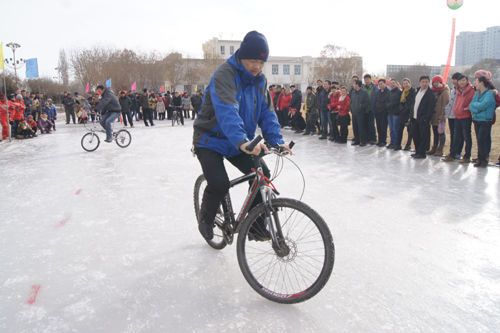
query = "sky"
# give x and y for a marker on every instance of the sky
(398, 32)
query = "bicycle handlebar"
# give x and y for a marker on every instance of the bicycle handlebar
(254, 143)
(278, 149)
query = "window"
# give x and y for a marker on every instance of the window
(222, 50)
(286, 69)
(296, 70)
(231, 50)
(275, 70)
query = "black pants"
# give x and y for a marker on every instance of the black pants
(212, 164)
(312, 120)
(401, 129)
(483, 136)
(370, 126)
(382, 124)
(126, 115)
(335, 126)
(463, 133)
(72, 114)
(147, 114)
(281, 118)
(421, 133)
(439, 138)
(170, 110)
(451, 123)
(161, 115)
(297, 122)
(358, 127)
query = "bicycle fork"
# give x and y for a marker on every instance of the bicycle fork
(278, 241)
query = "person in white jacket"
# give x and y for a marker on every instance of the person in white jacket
(448, 110)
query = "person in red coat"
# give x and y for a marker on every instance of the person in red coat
(463, 122)
(334, 97)
(6, 107)
(284, 105)
(340, 107)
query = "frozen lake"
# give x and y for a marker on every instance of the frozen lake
(107, 241)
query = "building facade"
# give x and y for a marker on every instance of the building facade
(473, 47)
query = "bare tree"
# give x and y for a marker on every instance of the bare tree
(339, 64)
(63, 67)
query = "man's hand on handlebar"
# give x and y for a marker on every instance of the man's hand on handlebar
(256, 150)
(287, 149)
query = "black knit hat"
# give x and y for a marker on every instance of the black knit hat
(254, 46)
(309, 88)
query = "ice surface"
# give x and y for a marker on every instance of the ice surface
(111, 239)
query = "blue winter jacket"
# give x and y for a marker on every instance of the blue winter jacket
(483, 106)
(235, 102)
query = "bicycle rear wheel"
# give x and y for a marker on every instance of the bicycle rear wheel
(304, 269)
(90, 142)
(123, 138)
(217, 242)
(173, 119)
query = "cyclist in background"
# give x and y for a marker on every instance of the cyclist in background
(177, 104)
(110, 110)
(235, 102)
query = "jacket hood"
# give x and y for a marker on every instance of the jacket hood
(467, 89)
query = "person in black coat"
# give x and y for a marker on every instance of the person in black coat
(393, 112)
(381, 112)
(360, 101)
(126, 105)
(405, 114)
(425, 101)
(196, 100)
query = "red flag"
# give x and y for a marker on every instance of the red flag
(162, 89)
(134, 86)
(87, 89)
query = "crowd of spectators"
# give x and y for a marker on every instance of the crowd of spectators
(27, 115)
(374, 109)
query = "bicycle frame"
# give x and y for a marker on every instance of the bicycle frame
(267, 192)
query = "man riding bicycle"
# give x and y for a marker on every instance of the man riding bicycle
(177, 104)
(235, 102)
(110, 110)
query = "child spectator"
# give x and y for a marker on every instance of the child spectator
(24, 130)
(44, 124)
(32, 123)
(82, 116)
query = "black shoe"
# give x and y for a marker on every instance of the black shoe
(261, 235)
(206, 230)
(108, 141)
(419, 156)
(407, 148)
(391, 146)
(355, 144)
(380, 144)
(152, 124)
(306, 133)
(147, 124)
(413, 155)
(362, 144)
(373, 142)
(396, 148)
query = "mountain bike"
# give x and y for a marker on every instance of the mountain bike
(297, 261)
(177, 116)
(91, 141)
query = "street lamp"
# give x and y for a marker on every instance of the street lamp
(13, 63)
(58, 69)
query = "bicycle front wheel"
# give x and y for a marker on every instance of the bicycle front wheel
(305, 265)
(123, 138)
(173, 120)
(217, 242)
(90, 142)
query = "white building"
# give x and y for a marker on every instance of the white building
(473, 47)
(220, 48)
(278, 70)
